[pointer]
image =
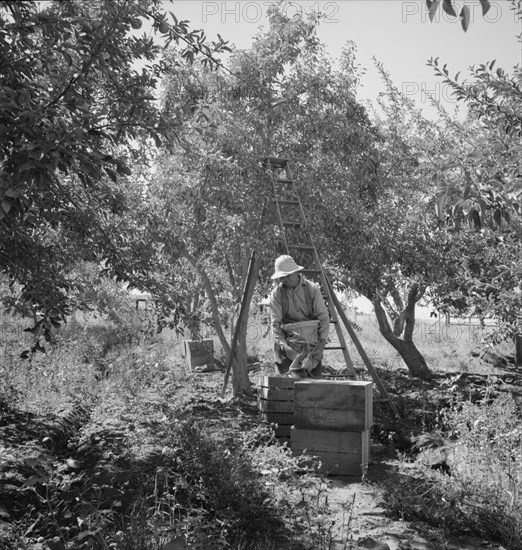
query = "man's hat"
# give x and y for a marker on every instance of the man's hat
(285, 265)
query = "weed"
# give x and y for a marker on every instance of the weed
(483, 453)
(140, 471)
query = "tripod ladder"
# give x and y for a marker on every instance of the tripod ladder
(296, 240)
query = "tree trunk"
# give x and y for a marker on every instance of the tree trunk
(240, 380)
(405, 346)
(211, 298)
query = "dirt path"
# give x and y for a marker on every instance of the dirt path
(373, 529)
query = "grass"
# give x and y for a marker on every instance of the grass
(109, 444)
(109, 427)
(479, 491)
(446, 348)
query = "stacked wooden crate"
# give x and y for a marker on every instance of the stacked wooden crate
(276, 404)
(332, 422)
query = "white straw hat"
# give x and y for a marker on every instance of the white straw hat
(285, 265)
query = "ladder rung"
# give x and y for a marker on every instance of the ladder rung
(289, 223)
(285, 181)
(334, 347)
(286, 201)
(311, 271)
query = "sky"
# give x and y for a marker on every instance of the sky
(398, 33)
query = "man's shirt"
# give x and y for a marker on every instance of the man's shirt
(300, 308)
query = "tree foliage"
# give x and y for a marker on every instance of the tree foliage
(448, 6)
(479, 194)
(281, 97)
(382, 241)
(77, 94)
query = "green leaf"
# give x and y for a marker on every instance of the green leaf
(6, 205)
(33, 480)
(474, 219)
(440, 206)
(111, 174)
(67, 57)
(485, 6)
(156, 138)
(448, 8)
(85, 534)
(475, 155)
(497, 217)
(39, 347)
(464, 17)
(123, 169)
(433, 9)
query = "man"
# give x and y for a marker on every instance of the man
(294, 304)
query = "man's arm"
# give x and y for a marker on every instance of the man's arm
(276, 311)
(321, 312)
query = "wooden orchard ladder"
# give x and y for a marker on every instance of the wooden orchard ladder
(296, 240)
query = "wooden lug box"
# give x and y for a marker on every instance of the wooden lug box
(340, 405)
(276, 403)
(198, 353)
(341, 453)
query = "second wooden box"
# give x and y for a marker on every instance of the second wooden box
(333, 405)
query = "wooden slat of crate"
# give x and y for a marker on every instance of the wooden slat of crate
(341, 453)
(335, 405)
(332, 441)
(276, 394)
(276, 404)
(276, 382)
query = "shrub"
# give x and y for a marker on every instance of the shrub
(224, 486)
(483, 492)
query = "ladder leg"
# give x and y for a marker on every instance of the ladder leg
(364, 356)
(334, 307)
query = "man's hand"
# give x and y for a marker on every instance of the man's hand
(290, 353)
(317, 352)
